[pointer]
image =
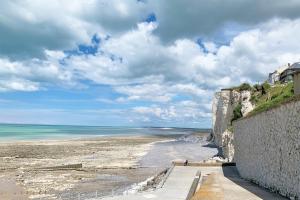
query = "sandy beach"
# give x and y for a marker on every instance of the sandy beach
(90, 167)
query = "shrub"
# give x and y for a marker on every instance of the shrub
(237, 112)
(274, 96)
(266, 86)
(257, 87)
(277, 83)
(254, 99)
(244, 86)
(292, 89)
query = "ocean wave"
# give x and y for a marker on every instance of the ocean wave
(193, 138)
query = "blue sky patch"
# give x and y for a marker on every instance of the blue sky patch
(86, 49)
(201, 45)
(151, 18)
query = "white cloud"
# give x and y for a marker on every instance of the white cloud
(19, 85)
(146, 69)
(181, 112)
(150, 92)
(253, 54)
(178, 76)
(30, 26)
(140, 58)
(32, 75)
(184, 69)
(250, 56)
(194, 18)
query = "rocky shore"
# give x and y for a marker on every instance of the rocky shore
(48, 169)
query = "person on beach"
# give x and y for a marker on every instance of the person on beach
(185, 163)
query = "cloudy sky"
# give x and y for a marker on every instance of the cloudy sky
(136, 62)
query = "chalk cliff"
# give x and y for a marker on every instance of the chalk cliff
(224, 102)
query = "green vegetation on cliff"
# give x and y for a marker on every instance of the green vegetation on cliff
(263, 96)
(242, 87)
(237, 112)
(266, 97)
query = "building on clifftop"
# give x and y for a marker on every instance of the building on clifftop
(287, 74)
(275, 76)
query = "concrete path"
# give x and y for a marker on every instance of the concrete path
(217, 183)
(176, 186)
(224, 183)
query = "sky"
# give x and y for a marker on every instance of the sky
(136, 62)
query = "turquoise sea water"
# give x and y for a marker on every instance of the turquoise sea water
(31, 132)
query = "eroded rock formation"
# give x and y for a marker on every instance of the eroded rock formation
(224, 103)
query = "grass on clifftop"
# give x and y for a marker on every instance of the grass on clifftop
(269, 97)
(242, 87)
(264, 97)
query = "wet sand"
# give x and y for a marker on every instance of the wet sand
(194, 147)
(107, 162)
(10, 190)
(37, 169)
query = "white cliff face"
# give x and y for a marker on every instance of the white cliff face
(218, 109)
(246, 103)
(221, 114)
(228, 147)
(223, 105)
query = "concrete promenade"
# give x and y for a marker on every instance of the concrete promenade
(216, 183)
(176, 186)
(224, 183)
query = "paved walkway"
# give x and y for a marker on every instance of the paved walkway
(217, 183)
(176, 186)
(224, 183)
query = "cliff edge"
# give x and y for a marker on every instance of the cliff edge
(225, 106)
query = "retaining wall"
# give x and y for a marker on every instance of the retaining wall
(267, 148)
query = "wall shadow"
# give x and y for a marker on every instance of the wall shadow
(232, 174)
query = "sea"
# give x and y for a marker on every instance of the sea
(45, 132)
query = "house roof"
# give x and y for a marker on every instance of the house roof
(295, 66)
(281, 69)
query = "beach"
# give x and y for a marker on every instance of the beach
(91, 167)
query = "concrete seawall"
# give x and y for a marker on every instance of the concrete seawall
(267, 148)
